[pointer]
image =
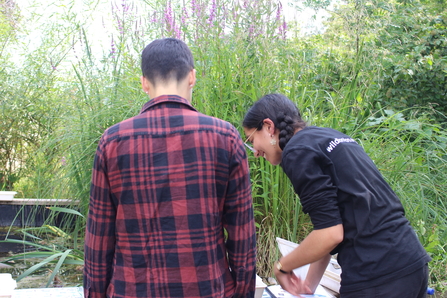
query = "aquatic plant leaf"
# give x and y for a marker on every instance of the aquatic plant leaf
(26, 243)
(37, 266)
(58, 266)
(65, 210)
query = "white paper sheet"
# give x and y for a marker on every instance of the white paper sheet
(278, 292)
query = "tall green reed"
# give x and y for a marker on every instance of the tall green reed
(412, 156)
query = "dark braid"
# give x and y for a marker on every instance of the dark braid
(286, 129)
(281, 110)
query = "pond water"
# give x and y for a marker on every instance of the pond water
(68, 276)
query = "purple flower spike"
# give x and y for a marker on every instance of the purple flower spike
(184, 17)
(154, 17)
(251, 30)
(212, 14)
(195, 7)
(112, 48)
(283, 30)
(178, 32)
(278, 12)
(169, 20)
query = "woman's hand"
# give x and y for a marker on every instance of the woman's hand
(292, 283)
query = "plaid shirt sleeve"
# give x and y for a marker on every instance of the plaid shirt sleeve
(100, 232)
(239, 223)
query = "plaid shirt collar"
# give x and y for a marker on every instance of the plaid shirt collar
(164, 99)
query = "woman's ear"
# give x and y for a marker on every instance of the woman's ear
(270, 126)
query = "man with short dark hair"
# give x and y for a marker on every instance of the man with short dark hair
(170, 210)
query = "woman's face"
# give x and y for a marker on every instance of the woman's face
(262, 142)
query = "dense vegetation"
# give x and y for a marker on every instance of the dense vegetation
(378, 73)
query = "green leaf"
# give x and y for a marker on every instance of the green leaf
(26, 243)
(73, 262)
(37, 266)
(29, 255)
(359, 98)
(65, 210)
(58, 266)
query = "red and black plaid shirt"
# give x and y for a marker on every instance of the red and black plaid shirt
(165, 185)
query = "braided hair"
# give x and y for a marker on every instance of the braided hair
(281, 110)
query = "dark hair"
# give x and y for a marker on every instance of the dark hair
(165, 59)
(281, 110)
